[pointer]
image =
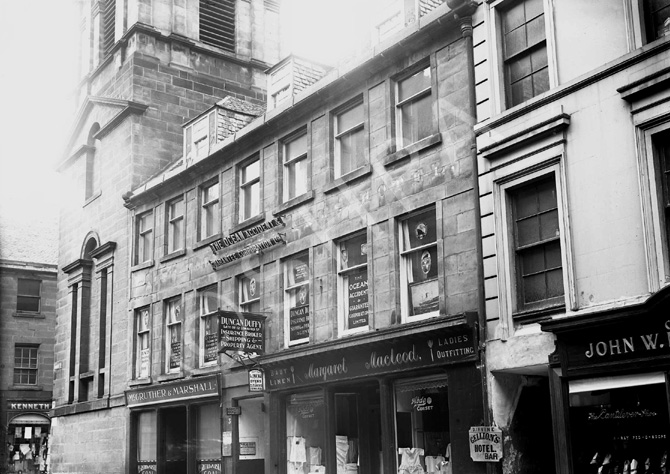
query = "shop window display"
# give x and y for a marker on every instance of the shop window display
(620, 424)
(305, 426)
(422, 426)
(27, 448)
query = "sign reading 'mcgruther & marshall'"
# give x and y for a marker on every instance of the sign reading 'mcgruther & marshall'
(182, 390)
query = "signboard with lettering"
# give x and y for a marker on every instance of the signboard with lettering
(299, 323)
(240, 331)
(209, 466)
(256, 380)
(227, 443)
(182, 390)
(247, 448)
(17, 405)
(485, 444)
(357, 316)
(147, 467)
(438, 347)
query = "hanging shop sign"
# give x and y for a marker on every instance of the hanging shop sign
(446, 346)
(240, 331)
(182, 390)
(250, 237)
(485, 444)
(256, 380)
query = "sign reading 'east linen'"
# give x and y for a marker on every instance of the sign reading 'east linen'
(239, 331)
(647, 338)
(447, 347)
(251, 246)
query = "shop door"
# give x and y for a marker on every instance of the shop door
(251, 435)
(175, 439)
(358, 445)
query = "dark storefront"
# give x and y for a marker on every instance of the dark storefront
(385, 406)
(176, 427)
(610, 390)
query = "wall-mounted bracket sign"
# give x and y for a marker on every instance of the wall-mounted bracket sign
(240, 331)
(256, 380)
(252, 244)
(485, 443)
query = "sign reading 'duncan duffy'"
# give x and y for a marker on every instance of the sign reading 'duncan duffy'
(485, 444)
(251, 247)
(240, 331)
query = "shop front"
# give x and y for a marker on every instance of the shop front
(400, 404)
(27, 436)
(176, 427)
(610, 390)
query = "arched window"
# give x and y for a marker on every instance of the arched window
(92, 163)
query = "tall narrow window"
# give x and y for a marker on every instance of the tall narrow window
(108, 22)
(537, 245)
(662, 146)
(414, 108)
(175, 225)
(25, 365)
(250, 189)
(249, 292)
(142, 343)
(209, 212)
(524, 50)
(173, 342)
(208, 304)
(28, 295)
(420, 289)
(217, 23)
(296, 177)
(656, 18)
(92, 179)
(296, 299)
(144, 224)
(349, 140)
(352, 284)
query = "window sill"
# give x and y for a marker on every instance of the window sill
(139, 382)
(32, 388)
(248, 223)
(170, 377)
(295, 202)
(348, 178)
(208, 370)
(92, 198)
(206, 241)
(537, 315)
(29, 315)
(173, 255)
(412, 149)
(142, 266)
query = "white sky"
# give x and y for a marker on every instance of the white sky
(36, 77)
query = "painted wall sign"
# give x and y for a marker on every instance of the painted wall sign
(240, 331)
(446, 346)
(20, 406)
(250, 249)
(485, 444)
(247, 448)
(182, 390)
(256, 380)
(209, 467)
(245, 234)
(233, 411)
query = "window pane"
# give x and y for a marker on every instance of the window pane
(535, 31)
(210, 193)
(251, 200)
(417, 120)
(249, 287)
(424, 264)
(208, 433)
(349, 119)
(528, 231)
(251, 171)
(29, 287)
(420, 229)
(351, 154)
(208, 300)
(210, 338)
(519, 68)
(549, 225)
(534, 288)
(522, 91)
(146, 436)
(515, 42)
(296, 179)
(28, 304)
(541, 81)
(414, 84)
(532, 260)
(356, 298)
(296, 147)
(514, 17)
(533, 8)
(305, 433)
(177, 209)
(353, 252)
(555, 283)
(297, 270)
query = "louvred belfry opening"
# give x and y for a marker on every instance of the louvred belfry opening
(217, 23)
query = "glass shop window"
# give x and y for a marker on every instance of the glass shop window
(620, 424)
(422, 424)
(146, 441)
(346, 433)
(305, 426)
(208, 442)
